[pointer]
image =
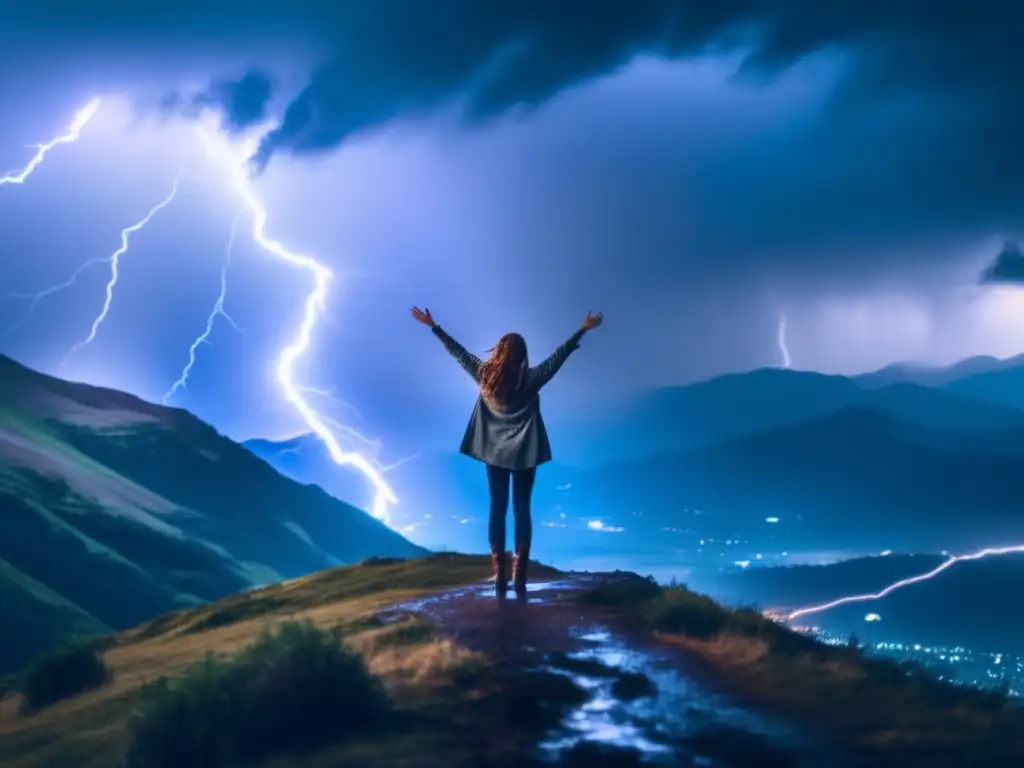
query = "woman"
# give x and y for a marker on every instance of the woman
(507, 433)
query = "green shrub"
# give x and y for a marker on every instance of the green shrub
(782, 641)
(293, 690)
(682, 611)
(671, 609)
(748, 622)
(626, 591)
(61, 673)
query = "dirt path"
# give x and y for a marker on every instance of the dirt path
(635, 703)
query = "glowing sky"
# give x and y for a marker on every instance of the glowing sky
(693, 174)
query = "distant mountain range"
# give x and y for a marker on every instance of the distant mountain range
(855, 478)
(732, 406)
(788, 588)
(1003, 387)
(443, 497)
(113, 510)
(965, 605)
(439, 489)
(833, 462)
(937, 376)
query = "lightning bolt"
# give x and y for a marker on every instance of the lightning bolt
(83, 116)
(238, 178)
(375, 444)
(313, 307)
(396, 464)
(979, 555)
(217, 311)
(787, 362)
(115, 260)
(40, 295)
(328, 394)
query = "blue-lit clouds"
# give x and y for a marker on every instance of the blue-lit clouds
(242, 103)
(1008, 266)
(688, 167)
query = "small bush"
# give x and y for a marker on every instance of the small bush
(685, 612)
(672, 609)
(293, 690)
(747, 622)
(628, 591)
(62, 673)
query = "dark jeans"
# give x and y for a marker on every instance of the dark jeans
(498, 479)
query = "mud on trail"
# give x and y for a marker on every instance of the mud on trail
(598, 691)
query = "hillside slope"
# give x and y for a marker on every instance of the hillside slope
(592, 669)
(113, 509)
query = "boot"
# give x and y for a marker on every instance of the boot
(499, 573)
(520, 562)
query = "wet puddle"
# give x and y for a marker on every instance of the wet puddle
(648, 709)
(638, 706)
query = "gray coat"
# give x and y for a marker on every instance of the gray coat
(511, 435)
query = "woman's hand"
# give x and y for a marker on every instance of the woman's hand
(592, 321)
(423, 316)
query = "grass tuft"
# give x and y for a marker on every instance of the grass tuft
(293, 690)
(61, 673)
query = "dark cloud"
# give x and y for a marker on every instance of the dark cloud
(376, 60)
(408, 56)
(241, 103)
(1008, 266)
(916, 138)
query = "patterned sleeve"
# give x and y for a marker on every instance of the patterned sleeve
(544, 372)
(467, 360)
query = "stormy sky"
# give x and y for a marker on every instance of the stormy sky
(695, 170)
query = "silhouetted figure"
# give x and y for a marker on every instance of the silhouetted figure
(506, 432)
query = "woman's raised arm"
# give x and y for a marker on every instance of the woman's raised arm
(543, 373)
(469, 361)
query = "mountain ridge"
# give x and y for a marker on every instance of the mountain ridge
(936, 375)
(125, 509)
(683, 417)
(856, 475)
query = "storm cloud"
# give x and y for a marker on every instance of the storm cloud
(706, 165)
(376, 60)
(1008, 267)
(405, 57)
(913, 136)
(241, 103)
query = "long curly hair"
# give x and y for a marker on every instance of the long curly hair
(502, 373)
